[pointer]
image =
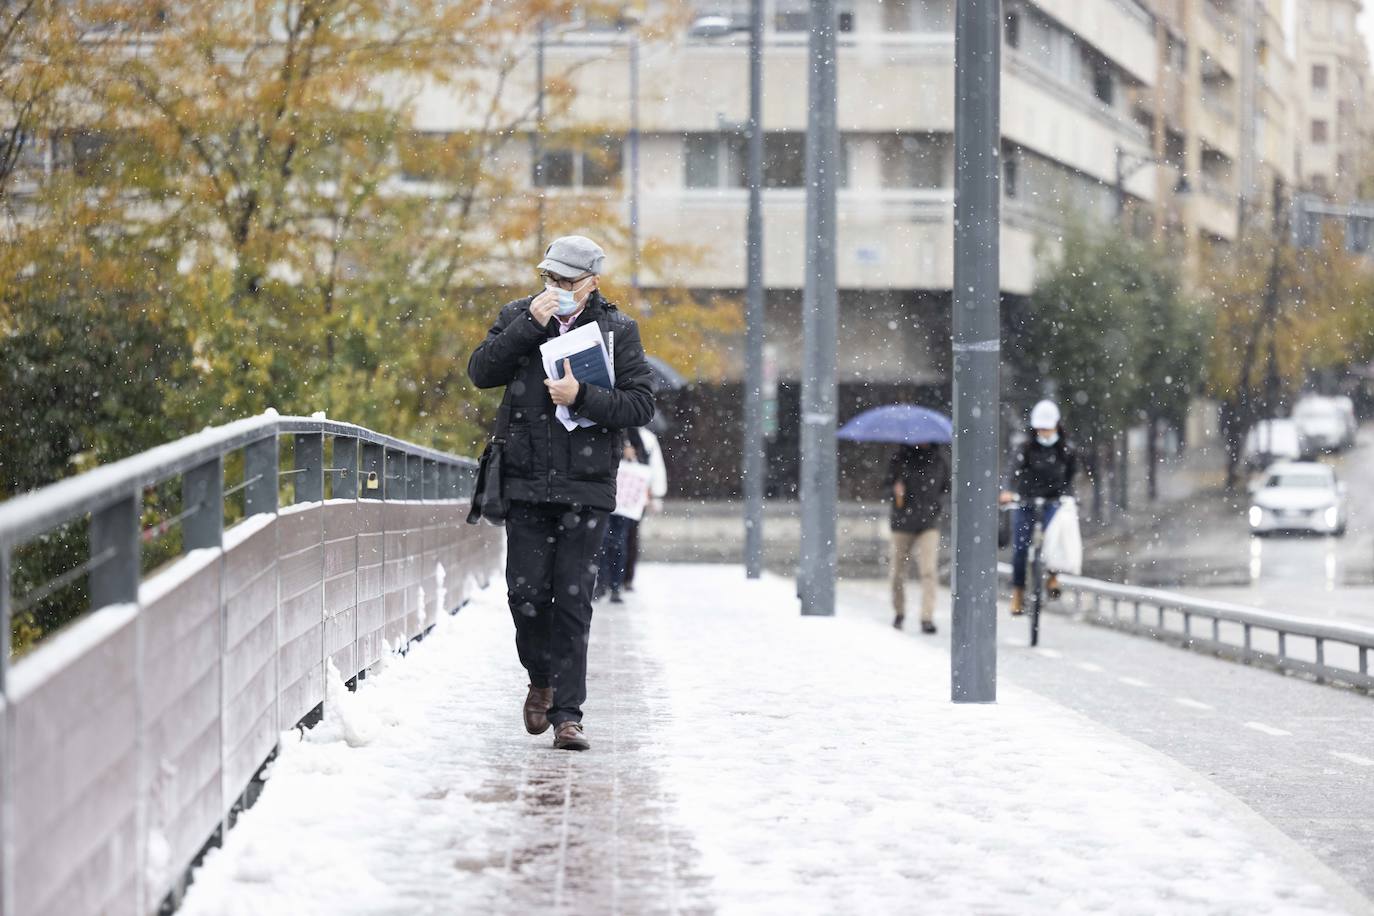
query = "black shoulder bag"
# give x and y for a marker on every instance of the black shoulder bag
(489, 491)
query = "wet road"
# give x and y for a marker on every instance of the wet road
(1208, 551)
(1299, 754)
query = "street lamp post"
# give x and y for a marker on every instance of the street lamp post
(819, 471)
(537, 135)
(977, 347)
(630, 19)
(753, 467)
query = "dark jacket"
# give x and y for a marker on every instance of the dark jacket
(1044, 471)
(545, 463)
(925, 474)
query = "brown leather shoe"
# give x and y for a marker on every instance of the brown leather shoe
(537, 703)
(569, 737)
(1018, 602)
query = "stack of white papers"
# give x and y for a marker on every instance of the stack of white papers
(591, 365)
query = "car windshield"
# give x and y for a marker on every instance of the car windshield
(1300, 479)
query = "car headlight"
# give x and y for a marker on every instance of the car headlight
(1333, 515)
(1256, 516)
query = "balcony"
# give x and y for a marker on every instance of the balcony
(888, 239)
(1216, 206)
(1218, 126)
(1216, 38)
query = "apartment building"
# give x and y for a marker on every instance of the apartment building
(1073, 69)
(1333, 83)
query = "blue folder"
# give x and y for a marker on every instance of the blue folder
(588, 367)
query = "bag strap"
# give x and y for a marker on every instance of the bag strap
(502, 420)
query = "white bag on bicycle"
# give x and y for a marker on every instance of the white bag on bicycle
(1063, 548)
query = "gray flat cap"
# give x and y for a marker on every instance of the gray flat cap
(573, 256)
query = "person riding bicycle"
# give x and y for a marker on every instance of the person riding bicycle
(1043, 468)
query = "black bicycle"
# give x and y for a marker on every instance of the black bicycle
(1037, 576)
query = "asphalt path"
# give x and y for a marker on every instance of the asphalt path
(1299, 754)
(1207, 550)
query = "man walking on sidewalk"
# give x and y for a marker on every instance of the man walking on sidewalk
(560, 483)
(919, 476)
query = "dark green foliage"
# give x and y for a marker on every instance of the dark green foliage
(1110, 328)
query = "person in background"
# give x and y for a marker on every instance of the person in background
(919, 477)
(658, 488)
(1043, 468)
(621, 523)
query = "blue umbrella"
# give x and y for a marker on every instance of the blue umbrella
(901, 424)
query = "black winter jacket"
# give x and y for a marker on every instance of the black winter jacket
(925, 474)
(1045, 471)
(545, 463)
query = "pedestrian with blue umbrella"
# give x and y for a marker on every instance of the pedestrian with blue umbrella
(919, 478)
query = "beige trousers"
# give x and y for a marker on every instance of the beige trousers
(926, 546)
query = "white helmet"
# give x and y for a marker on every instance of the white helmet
(1044, 415)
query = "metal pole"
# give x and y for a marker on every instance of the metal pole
(977, 344)
(203, 486)
(634, 167)
(114, 532)
(754, 466)
(537, 135)
(816, 575)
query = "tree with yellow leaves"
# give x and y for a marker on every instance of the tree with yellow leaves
(1282, 315)
(334, 243)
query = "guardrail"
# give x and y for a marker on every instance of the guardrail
(132, 737)
(1330, 653)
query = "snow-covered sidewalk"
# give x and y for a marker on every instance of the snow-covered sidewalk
(745, 760)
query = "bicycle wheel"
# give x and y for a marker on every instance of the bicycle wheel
(1037, 597)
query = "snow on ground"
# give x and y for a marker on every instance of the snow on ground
(816, 766)
(822, 769)
(383, 799)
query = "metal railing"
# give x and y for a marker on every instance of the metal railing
(1328, 652)
(132, 736)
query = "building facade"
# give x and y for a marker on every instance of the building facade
(1334, 87)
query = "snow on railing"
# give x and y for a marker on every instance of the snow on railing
(133, 735)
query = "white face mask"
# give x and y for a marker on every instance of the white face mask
(1051, 439)
(567, 298)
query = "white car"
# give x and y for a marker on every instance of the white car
(1322, 423)
(1298, 496)
(1274, 440)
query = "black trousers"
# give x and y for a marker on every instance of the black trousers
(613, 552)
(631, 553)
(552, 556)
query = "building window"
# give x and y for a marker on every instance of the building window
(1319, 131)
(593, 164)
(1104, 84)
(1177, 54)
(795, 15)
(918, 161)
(1010, 186)
(1320, 76)
(1013, 28)
(444, 157)
(716, 161)
(918, 15)
(784, 160)
(85, 153)
(722, 161)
